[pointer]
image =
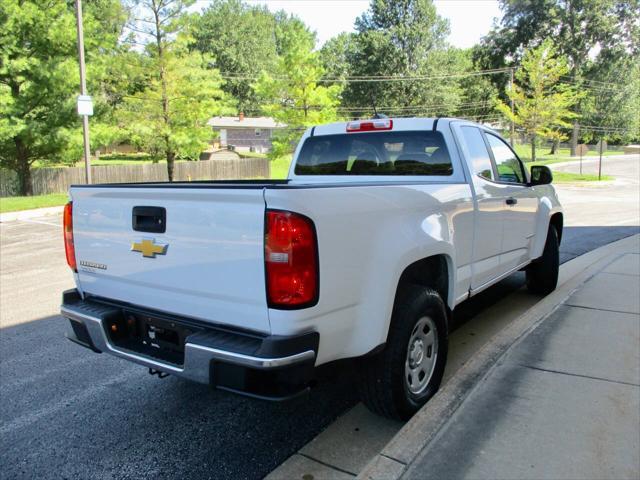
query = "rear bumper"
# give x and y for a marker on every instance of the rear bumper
(272, 367)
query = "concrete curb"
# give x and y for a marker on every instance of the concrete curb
(391, 462)
(26, 214)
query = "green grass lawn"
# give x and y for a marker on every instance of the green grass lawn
(122, 159)
(563, 154)
(567, 177)
(14, 204)
(280, 167)
(252, 155)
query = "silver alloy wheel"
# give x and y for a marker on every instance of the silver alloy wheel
(422, 353)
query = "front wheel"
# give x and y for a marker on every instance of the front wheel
(398, 381)
(542, 273)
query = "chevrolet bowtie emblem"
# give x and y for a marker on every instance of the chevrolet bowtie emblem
(149, 248)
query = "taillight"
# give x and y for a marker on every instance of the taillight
(370, 125)
(67, 226)
(291, 260)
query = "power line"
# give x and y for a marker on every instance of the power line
(594, 88)
(594, 81)
(376, 78)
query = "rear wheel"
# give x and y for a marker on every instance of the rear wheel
(397, 381)
(542, 273)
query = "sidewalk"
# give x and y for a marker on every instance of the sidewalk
(562, 402)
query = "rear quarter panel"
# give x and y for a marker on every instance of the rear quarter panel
(367, 236)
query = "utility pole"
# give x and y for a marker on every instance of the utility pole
(85, 106)
(513, 127)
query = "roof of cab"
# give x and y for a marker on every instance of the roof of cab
(399, 124)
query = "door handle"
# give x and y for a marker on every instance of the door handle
(511, 201)
(149, 219)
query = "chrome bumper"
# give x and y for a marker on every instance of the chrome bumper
(197, 358)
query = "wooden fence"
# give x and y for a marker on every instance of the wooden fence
(58, 180)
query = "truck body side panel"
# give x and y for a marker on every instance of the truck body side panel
(367, 236)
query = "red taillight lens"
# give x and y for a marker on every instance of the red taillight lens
(291, 260)
(67, 227)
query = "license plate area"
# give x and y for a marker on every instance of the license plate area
(150, 336)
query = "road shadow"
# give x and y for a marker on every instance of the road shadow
(70, 413)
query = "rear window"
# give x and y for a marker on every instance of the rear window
(375, 153)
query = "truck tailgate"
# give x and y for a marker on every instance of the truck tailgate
(207, 265)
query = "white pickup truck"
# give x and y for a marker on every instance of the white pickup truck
(382, 227)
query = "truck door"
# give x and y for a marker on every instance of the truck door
(488, 225)
(519, 204)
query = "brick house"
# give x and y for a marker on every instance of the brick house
(245, 133)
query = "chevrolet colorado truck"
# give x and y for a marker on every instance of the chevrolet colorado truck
(382, 227)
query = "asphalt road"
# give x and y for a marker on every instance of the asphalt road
(69, 413)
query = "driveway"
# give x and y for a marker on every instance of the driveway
(612, 203)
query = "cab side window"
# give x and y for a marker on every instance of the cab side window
(509, 167)
(480, 158)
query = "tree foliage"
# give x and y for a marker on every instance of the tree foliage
(579, 28)
(240, 39)
(542, 103)
(169, 117)
(402, 38)
(171, 121)
(292, 94)
(39, 77)
(611, 110)
(156, 82)
(586, 32)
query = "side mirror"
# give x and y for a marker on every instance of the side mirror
(541, 175)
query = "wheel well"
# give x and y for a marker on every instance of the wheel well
(432, 272)
(557, 221)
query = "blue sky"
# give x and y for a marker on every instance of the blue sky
(469, 19)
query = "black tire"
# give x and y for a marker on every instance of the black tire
(381, 377)
(542, 273)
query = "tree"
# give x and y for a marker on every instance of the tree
(335, 55)
(611, 109)
(170, 115)
(478, 93)
(241, 40)
(542, 102)
(39, 76)
(398, 39)
(582, 30)
(292, 94)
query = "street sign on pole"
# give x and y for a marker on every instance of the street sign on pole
(85, 105)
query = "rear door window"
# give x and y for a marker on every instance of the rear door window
(478, 153)
(375, 153)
